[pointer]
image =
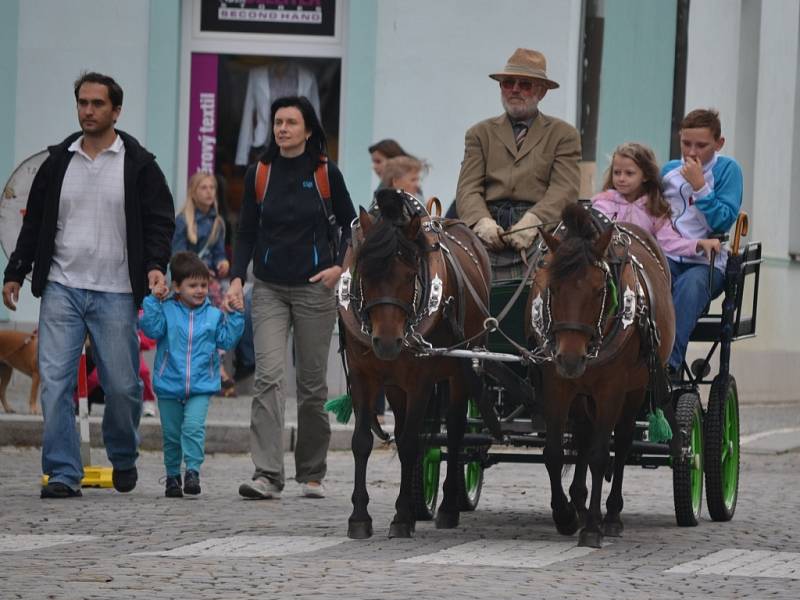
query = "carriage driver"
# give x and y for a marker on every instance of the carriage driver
(519, 169)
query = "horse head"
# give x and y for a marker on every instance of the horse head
(577, 280)
(387, 265)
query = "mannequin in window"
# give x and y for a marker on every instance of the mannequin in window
(264, 84)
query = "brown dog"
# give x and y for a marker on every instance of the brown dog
(18, 350)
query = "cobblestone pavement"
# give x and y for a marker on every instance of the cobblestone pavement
(143, 545)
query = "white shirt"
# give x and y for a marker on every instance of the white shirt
(91, 250)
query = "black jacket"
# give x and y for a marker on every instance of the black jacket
(288, 237)
(149, 218)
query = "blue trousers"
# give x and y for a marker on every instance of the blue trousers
(183, 430)
(690, 294)
(65, 316)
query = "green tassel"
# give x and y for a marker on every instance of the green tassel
(341, 406)
(612, 306)
(658, 427)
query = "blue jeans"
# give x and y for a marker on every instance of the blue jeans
(183, 430)
(691, 295)
(65, 316)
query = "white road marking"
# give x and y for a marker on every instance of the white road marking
(504, 553)
(20, 543)
(250, 546)
(749, 439)
(744, 563)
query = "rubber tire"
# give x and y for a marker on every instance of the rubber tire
(470, 495)
(425, 483)
(687, 476)
(722, 436)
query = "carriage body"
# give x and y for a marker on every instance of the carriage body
(709, 448)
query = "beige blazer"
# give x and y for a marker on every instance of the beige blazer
(544, 171)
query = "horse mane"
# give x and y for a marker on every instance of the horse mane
(576, 251)
(384, 242)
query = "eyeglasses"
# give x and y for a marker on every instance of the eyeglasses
(526, 85)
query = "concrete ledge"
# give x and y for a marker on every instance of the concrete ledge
(231, 437)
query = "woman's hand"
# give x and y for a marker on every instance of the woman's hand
(708, 246)
(329, 277)
(222, 268)
(234, 297)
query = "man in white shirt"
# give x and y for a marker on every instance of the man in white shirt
(97, 230)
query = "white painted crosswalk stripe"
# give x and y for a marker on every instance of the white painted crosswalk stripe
(248, 546)
(23, 542)
(744, 563)
(504, 553)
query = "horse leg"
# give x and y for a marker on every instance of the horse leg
(578, 491)
(364, 389)
(448, 514)
(591, 535)
(557, 410)
(623, 440)
(416, 405)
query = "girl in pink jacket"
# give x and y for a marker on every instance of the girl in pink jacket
(632, 194)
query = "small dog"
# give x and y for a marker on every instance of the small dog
(19, 350)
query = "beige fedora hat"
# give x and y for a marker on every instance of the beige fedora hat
(526, 63)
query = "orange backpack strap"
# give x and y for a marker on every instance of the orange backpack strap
(322, 180)
(262, 180)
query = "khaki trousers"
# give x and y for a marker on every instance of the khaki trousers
(310, 311)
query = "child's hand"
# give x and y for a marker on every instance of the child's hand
(160, 291)
(236, 303)
(222, 268)
(708, 246)
(692, 171)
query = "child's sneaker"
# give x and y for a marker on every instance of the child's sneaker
(173, 487)
(191, 485)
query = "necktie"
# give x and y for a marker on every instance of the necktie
(520, 131)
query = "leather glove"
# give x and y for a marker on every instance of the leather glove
(523, 232)
(489, 231)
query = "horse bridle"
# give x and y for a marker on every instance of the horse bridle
(547, 329)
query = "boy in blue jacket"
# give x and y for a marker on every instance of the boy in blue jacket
(189, 331)
(704, 190)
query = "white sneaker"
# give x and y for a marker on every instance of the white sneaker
(260, 489)
(149, 409)
(313, 489)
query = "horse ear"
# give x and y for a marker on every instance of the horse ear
(552, 242)
(412, 229)
(601, 245)
(364, 219)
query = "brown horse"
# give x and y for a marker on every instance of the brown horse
(602, 355)
(417, 282)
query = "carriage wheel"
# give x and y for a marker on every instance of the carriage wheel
(471, 481)
(722, 448)
(687, 472)
(425, 483)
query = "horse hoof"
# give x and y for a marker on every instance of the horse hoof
(359, 530)
(446, 520)
(566, 521)
(590, 539)
(612, 528)
(401, 530)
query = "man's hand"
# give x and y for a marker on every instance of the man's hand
(523, 232)
(489, 231)
(234, 296)
(329, 277)
(692, 171)
(11, 295)
(155, 278)
(708, 246)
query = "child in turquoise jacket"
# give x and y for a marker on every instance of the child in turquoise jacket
(189, 331)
